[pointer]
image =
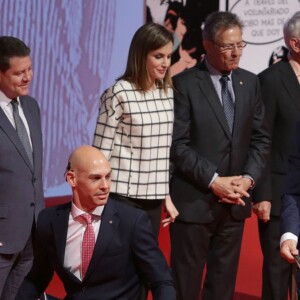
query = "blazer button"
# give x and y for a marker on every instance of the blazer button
(83, 289)
(31, 204)
(33, 179)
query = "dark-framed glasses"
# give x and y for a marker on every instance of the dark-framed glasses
(229, 47)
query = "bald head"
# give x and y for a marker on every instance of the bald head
(89, 177)
(84, 156)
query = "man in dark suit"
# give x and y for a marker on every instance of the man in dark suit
(290, 212)
(290, 208)
(125, 251)
(281, 95)
(21, 191)
(220, 146)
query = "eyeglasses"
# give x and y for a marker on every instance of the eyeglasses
(230, 47)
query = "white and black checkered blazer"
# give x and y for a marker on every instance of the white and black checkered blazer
(134, 131)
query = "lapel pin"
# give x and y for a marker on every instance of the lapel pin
(110, 221)
(241, 82)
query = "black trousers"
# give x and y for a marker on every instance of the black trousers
(276, 271)
(215, 245)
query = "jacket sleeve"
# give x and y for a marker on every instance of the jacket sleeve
(42, 271)
(184, 157)
(263, 188)
(290, 209)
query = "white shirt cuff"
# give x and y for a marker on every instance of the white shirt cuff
(213, 179)
(288, 236)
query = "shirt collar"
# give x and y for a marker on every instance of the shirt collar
(4, 100)
(76, 212)
(214, 72)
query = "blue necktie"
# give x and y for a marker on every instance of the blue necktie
(228, 104)
(21, 130)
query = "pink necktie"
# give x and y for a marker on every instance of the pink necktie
(88, 244)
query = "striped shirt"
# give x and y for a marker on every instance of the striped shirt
(134, 131)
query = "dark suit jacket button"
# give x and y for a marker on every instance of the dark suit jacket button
(32, 204)
(33, 179)
(83, 289)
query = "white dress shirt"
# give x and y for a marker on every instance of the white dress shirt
(76, 228)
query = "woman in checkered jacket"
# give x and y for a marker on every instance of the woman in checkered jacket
(135, 123)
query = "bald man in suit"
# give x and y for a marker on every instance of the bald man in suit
(125, 252)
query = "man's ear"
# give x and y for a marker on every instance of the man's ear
(295, 45)
(207, 45)
(71, 178)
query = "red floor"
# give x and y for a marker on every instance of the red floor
(248, 284)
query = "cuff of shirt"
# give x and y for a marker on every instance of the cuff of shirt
(252, 181)
(213, 179)
(288, 236)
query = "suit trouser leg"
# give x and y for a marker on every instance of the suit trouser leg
(223, 259)
(217, 243)
(189, 248)
(13, 269)
(154, 210)
(276, 271)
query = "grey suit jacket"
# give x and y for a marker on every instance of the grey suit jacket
(281, 95)
(202, 143)
(21, 191)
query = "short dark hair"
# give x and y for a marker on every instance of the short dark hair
(147, 38)
(11, 47)
(220, 20)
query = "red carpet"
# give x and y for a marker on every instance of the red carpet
(248, 284)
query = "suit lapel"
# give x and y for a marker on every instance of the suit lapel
(290, 83)
(60, 229)
(13, 136)
(239, 91)
(109, 225)
(32, 124)
(208, 89)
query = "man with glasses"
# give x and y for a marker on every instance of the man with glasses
(220, 146)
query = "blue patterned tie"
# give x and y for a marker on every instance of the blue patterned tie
(21, 130)
(227, 100)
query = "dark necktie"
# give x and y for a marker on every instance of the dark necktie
(88, 244)
(21, 130)
(227, 100)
